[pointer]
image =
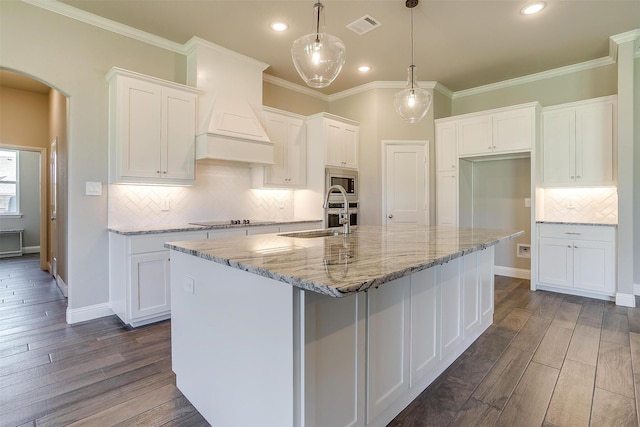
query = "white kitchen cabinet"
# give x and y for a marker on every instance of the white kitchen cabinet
(451, 308)
(579, 142)
(506, 130)
(263, 229)
(226, 232)
(287, 132)
(447, 198)
(338, 136)
(152, 126)
(577, 258)
(425, 322)
(139, 272)
(446, 147)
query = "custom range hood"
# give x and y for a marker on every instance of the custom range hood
(229, 106)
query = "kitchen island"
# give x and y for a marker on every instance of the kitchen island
(314, 329)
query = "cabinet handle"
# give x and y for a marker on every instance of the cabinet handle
(489, 148)
(157, 171)
(165, 172)
(571, 177)
(572, 232)
(569, 246)
(578, 177)
(575, 247)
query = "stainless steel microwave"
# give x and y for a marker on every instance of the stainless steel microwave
(348, 179)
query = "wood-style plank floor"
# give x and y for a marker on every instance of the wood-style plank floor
(548, 360)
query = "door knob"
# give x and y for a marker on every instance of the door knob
(390, 215)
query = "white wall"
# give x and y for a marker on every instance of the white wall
(74, 58)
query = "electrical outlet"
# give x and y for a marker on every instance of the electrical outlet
(93, 188)
(523, 250)
(189, 285)
(166, 204)
(527, 202)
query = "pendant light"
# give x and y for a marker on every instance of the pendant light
(318, 57)
(412, 103)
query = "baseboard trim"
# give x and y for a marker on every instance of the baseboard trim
(626, 300)
(31, 250)
(77, 315)
(61, 285)
(518, 273)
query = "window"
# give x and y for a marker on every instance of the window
(9, 182)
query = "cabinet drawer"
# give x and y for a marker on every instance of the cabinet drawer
(155, 242)
(576, 232)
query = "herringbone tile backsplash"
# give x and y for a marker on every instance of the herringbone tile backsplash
(597, 205)
(221, 193)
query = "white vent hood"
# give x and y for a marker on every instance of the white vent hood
(229, 105)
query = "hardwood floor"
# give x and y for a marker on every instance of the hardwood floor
(548, 360)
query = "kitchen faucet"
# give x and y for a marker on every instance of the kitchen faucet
(344, 216)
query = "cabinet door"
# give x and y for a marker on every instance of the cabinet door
(178, 130)
(593, 265)
(296, 153)
(486, 277)
(447, 198)
(334, 146)
(594, 144)
(424, 323)
(446, 147)
(471, 318)
(450, 307)
(555, 260)
(150, 291)
(276, 128)
(388, 345)
(341, 142)
(475, 135)
(140, 105)
(350, 155)
(513, 131)
(558, 147)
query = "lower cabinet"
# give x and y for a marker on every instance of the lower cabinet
(139, 281)
(367, 356)
(577, 259)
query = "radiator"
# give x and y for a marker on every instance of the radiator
(11, 242)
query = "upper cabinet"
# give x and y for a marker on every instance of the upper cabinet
(287, 132)
(338, 136)
(506, 130)
(579, 142)
(152, 126)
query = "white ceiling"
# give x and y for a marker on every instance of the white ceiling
(459, 43)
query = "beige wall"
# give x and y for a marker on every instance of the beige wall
(74, 58)
(592, 83)
(288, 100)
(24, 118)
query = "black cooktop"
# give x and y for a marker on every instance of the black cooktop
(232, 222)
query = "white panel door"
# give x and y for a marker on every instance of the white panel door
(388, 345)
(406, 184)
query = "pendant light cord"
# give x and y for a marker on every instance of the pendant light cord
(412, 64)
(319, 6)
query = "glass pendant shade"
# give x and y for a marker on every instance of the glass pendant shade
(412, 103)
(318, 57)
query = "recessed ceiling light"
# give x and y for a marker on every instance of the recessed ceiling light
(364, 68)
(278, 26)
(532, 8)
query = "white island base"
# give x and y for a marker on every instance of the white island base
(252, 351)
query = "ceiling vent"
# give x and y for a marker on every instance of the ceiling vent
(364, 25)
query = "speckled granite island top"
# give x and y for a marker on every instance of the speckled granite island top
(341, 265)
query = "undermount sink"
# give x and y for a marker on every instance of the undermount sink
(313, 233)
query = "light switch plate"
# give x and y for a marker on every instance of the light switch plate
(93, 188)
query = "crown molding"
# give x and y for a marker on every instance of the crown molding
(294, 87)
(106, 24)
(196, 42)
(629, 36)
(587, 65)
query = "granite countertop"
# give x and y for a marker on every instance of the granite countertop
(604, 224)
(192, 227)
(342, 265)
